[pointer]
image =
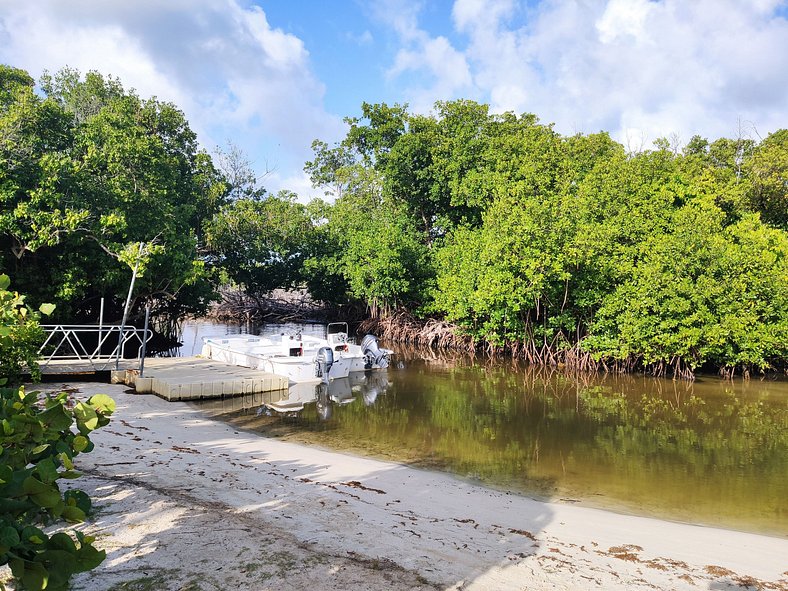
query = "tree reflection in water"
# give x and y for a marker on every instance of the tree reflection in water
(709, 451)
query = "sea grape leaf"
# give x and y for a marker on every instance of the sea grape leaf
(86, 416)
(56, 417)
(73, 514)
(102, 403)
(9, 536)
(80, 443)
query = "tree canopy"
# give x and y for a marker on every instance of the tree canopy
(88, 171)
(555, 247)
(546, 244)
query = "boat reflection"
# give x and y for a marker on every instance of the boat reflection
(362, 386)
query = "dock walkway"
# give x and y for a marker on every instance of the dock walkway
(193, 378)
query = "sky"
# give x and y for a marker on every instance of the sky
(271, 76)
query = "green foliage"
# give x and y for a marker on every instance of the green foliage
(699, 293)
(20, 335)
(537, 242)
(34, 173)
(261, 242)
(767, 172)
(38, 449)
(89, 172)
(373, 245)
(522, 237)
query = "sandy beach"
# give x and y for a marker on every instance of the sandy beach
(186, 503)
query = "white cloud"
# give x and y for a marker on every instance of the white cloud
(364, 39)
(432, 69)
(299, 183)
(632, 67)
(402, 16)
(234, 75)
(470, 14)
(623, 18)
(646, 68)
(446, 67)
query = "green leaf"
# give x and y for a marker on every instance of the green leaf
(59, 563)
(46, 309)
(40, 449)
(47, 499)
(62, 541)
(9, 536)
(6, 474)
(80, 443)
(33, 486)
(36, 577)
(17, 566)
(86, 416)
(73, 514)
(89, 558)
(33, 534)
(56, 418)
(78, 498)
(102, 403)
(47, 470)
(13, 506)
(66, 461)
(5, 281)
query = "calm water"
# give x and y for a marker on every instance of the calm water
(711, 452)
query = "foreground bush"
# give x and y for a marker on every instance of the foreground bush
(37, 448)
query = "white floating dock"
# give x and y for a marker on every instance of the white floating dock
(193, 378)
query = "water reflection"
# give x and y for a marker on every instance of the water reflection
(365, 387)
(314, 397)
(708, 451)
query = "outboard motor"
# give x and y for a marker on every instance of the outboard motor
(373, 354)
(323, 362)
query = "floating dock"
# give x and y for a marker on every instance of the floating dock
(194, 378)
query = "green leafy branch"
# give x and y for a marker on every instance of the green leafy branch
(38, 449)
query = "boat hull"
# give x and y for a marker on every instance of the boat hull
(301, 369)
(265, 355)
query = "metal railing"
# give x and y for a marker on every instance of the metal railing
(100, 347)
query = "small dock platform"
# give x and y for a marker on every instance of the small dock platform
(194, 378)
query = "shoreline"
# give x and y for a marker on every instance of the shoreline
(189, 503)
(273, 427)
(250, 424)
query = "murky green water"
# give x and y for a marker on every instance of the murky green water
(711, 452)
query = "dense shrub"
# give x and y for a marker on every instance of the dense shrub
(37, 449)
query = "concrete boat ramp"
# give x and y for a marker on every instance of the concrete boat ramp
(193, 378)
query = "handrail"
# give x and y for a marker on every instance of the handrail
(73, 342)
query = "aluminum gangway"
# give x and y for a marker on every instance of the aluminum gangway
(75, 348)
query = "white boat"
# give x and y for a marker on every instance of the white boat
(368, 355)
(285, 355)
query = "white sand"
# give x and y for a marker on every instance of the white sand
(187, 503)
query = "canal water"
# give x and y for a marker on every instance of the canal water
(711, 451)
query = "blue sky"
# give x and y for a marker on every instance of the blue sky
(273, 75)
